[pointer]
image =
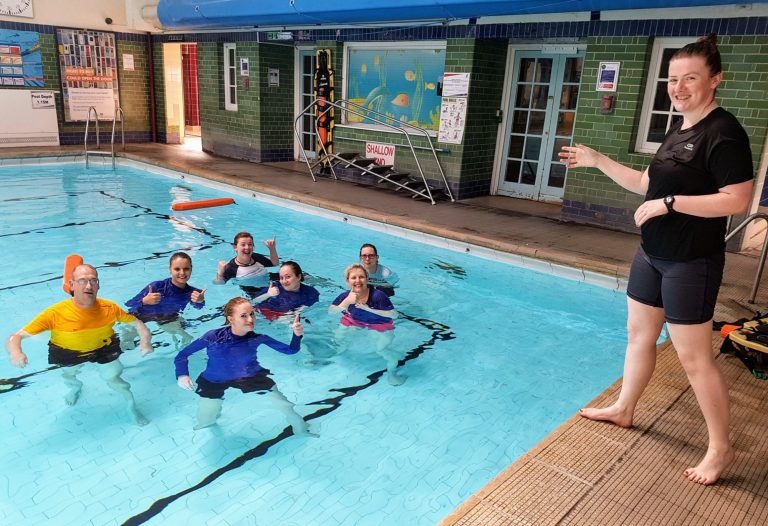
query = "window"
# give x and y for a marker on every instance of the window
(399, 81)
(658, 114)
(230, 77)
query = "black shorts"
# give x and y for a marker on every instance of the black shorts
(158, 318)
(686, 290)
(258, 382)
(67, 357)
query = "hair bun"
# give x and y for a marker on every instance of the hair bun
(710, 39)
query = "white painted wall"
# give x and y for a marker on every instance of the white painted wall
(90, 14)
(174, 88)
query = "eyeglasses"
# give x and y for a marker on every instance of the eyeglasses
(83, 282)
(369, 256)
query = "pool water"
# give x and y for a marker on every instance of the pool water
(495, 357)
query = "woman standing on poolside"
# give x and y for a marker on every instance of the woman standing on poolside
(701, 173)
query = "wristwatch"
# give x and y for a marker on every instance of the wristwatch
(669, 201)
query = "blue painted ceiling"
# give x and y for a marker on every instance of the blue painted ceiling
(212, 14)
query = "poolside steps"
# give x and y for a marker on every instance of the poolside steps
(353, 167)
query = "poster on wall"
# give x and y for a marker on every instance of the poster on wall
(88, 63)
(453, 117)
(400, 84)
(21, 63)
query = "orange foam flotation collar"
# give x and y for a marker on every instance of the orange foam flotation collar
(191, 205)
(725, 330)
(70, 264)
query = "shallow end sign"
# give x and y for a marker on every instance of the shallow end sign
(384, 154)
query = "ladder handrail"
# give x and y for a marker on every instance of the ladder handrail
(298, 138)
(91, 109)
(343, 106)
(763, 252)
(118, 111)
(417, 129)
(335, 104)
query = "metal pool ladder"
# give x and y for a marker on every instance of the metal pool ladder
(98, 150)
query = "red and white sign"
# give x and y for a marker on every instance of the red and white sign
(383, 153)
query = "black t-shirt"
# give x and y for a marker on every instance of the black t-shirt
(711, 154)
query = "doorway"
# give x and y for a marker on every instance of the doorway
(540, 117)
(305, 72)
(182, 104)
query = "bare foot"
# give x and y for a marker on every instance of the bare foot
(72, 396)
(198, 427)
(139, 418)
(608, 414)
(395, 379)
(304, 432)
(710, 468)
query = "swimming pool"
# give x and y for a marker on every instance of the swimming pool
(495, 357)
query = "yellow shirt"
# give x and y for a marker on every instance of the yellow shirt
(80, 329)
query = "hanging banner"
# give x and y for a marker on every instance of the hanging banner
(88, 63)
(21, 63)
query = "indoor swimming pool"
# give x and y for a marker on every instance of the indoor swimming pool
(494, 356)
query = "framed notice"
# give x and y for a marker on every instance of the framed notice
(21, 62)
(608, 76)
(453, 116)
(88, 64)
(456, 85)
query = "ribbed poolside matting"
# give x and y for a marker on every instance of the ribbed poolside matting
(592, 473)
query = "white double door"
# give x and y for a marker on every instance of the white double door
(542, 109)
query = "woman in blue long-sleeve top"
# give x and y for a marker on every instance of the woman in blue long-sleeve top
(233, 362)
(163, 301)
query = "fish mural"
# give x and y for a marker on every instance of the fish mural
(396, 86)
(401, 100)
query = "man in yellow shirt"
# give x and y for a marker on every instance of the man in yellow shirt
(81, 332)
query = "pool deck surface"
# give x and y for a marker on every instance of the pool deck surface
(585, 472)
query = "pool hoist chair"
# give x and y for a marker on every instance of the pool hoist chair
(750, 345)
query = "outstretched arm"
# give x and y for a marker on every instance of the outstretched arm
(18, 358)
(145, 337)
(580, 156)
(271, 244)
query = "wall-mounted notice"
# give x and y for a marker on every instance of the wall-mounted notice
(88, 63)
(455, 84)
(608, 76)
(453, 118)
(42, 99)
(274, 77)
(127, 62)
(21, 63)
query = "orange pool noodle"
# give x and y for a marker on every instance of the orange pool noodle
(191, 205)
(72, 261)
(725, 330)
